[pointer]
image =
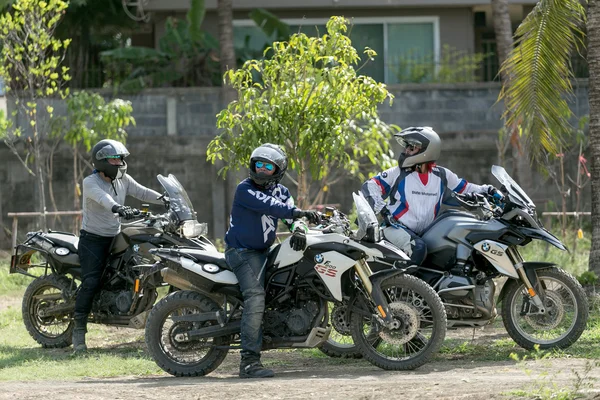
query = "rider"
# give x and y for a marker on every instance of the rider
(259, 202)
(104, 193)
(416, 189)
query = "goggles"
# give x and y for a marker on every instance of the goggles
(266, 165)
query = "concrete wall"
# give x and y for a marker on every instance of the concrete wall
(174, 127)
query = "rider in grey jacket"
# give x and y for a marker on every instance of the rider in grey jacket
(104, 193)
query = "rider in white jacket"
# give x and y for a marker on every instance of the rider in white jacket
(415, 190)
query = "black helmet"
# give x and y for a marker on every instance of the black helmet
(425, 138)
(271, 153)
(105, 149)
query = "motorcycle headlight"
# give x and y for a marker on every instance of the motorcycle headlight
(192, 229)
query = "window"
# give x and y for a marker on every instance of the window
(400, 42)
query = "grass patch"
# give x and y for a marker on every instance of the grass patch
(113, 354)
(11, 284)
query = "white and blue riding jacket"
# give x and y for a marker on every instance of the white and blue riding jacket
(410, 201)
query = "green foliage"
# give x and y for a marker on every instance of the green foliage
(308, 98)
(89, 119)
(30, 55)
(539, 68)
(12, 284)
(588, 278)
(186, 56)
(455, 66)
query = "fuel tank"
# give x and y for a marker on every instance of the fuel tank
(449, 232)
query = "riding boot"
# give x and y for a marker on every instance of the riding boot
(79, 335)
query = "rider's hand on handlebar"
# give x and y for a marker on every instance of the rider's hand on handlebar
(314, 217)
(126, 211)
(495, 194)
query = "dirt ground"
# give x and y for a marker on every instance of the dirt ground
(299, 376)
(307, 377)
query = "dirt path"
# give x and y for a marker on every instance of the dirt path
(301, 377)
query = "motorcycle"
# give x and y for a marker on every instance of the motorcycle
(129, 281)
(541, 304)
(397, 320)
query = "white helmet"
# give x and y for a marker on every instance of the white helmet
(423, 137)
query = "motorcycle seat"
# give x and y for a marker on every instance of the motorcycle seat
(64, 240)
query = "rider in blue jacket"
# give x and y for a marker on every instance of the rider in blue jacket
(259, 202)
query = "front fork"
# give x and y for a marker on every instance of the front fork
(372, 284)
(517, 260)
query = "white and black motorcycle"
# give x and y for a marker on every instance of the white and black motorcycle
(397, 321)
(541, 304)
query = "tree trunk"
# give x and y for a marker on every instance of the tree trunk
(593, 31)
(225, 11)
(40, 178)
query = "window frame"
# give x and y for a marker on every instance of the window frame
(433, 19)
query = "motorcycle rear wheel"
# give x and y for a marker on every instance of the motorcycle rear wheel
(183, 358)
(45, 292)
(567, 311)
(422, 330)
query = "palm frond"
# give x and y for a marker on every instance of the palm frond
(540, 73)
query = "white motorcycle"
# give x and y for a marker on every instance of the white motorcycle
(397, 321)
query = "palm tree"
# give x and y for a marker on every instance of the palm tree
(540, 78)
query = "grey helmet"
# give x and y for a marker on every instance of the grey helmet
(425, 138)
(271, 153)
(105, 149)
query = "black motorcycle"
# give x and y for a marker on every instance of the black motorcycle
(129, 281)
(541, 304)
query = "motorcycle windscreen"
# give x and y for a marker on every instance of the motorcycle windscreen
(179, 200)
(365, 215)
(513, 188)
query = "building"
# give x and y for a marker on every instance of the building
(402, 32)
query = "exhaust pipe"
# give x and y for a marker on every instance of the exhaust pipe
(174, 279)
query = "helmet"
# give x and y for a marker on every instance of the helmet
(269, 153)
(105, 149)
(423, 137)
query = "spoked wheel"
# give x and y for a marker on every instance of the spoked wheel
(340, 343)
(565, 317)
(167, 342)
(421, 319)
(48, 328)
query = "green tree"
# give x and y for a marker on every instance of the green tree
(30, 65)
(307, 97)
(89, 119)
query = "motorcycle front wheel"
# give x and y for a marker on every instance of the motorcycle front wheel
(51, 330)
(422, 326)
(183, 357)
(564, 320)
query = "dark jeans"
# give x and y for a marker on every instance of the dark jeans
(93, 253)
(248, 266)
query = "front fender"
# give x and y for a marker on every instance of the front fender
(530, 268)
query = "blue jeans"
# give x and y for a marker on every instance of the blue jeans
(248, 266)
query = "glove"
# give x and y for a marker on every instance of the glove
(125, 211)
(298, 240)
(312, 216)
(388, 219)
(470, 197)
(495, 193)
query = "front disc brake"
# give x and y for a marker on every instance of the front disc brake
(555, 311)
(408, 317)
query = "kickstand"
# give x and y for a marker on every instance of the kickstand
(473, 338)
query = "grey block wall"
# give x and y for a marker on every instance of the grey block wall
(174, 127)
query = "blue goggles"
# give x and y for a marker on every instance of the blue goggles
(266, 165)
